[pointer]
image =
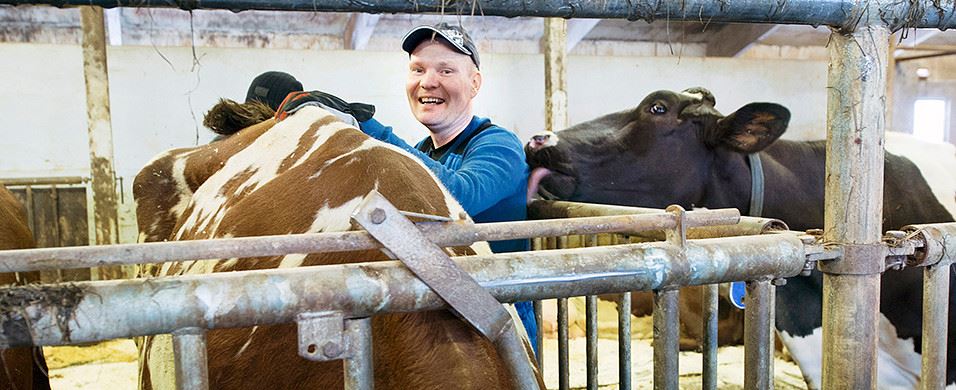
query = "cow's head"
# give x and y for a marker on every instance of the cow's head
(661, 152)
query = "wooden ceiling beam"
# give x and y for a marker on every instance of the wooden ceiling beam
(359, 29)
(734, 39)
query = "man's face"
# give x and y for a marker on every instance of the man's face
(441, 84)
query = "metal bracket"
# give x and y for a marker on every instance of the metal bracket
(857, 259)
(322, 336)
(433, 266)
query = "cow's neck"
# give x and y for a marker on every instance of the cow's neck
(730, 182)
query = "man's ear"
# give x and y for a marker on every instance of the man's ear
(475, 82)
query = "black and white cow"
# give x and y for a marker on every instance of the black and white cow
(675, 148)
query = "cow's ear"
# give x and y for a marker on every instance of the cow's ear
(753, 127)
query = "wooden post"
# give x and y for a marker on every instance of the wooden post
(555, 82)
(100, 134)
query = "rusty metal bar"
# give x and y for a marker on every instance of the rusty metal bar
(162, 305)
(624, 341)
(563, 369)
(810, 12)
(189, 348)
(709, 295)
(758, 335)
(443, 234)
(358, 369)
(936, 297)
(666, 339)
(591, 331)
(854, 202)
(539, 337)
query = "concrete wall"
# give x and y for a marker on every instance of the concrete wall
(159, 95)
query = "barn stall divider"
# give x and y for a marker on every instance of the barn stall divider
(856, 124)
(333, 319)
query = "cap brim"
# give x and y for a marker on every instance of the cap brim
(421, 33)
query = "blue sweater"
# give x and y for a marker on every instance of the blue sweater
(490, 179)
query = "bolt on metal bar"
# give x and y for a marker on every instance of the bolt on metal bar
(591, 331)
(563, 372)
(189, 348)
(758, 335)
(442, 234)
(358, 369)
(809, 12)
(709, 297)
(624, 341)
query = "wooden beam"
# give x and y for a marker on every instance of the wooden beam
(555, 80)
(578, 29)
(359, 29)
(100, 131)
(734, 39)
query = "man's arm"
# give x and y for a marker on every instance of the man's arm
(493, 167)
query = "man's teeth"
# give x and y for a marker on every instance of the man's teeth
(429, 100)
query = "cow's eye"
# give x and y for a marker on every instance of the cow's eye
(658, 109)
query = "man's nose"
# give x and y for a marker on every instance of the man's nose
(429, 80)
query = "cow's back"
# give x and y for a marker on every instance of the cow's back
(307, 175)
(21, 368)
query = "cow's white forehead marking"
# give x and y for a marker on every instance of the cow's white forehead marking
(898, 364)
(698, 95)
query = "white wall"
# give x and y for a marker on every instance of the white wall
(158, 95)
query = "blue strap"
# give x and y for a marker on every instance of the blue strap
(756, 187)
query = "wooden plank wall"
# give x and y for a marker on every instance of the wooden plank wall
(57, 216)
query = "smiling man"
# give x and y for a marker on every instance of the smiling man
(481, 164)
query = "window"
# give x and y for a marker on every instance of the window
(930, 119)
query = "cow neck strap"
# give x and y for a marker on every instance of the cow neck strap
(756, 186)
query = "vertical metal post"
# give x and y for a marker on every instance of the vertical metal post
(100, 133)
(189, 351)
(624, 341)
(563, 381)
(935, 314)
(590, 306)
(758, 335)
(854, 203)
(709, 294)
(539, 337)
(666, 339)
(358, 368)
(555, 43)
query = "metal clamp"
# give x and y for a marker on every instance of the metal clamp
(857, 259)
(322, 336)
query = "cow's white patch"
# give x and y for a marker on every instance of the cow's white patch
(292, 261)
(898, 364)
(246, 344)
(336, 219)
(698, 96)
(936, 161)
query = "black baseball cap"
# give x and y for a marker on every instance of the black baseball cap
(456, 36)
(272, 87)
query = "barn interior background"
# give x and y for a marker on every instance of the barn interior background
(167, 67)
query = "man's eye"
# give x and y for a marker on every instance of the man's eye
(658, 109)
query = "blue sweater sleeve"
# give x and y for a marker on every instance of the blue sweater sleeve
(492, 167)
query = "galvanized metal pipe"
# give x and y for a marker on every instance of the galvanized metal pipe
(666, 339)
(451, 234)
(591, 331)
(40, 181)
(935, 323)
(854, 202)
(758, 335)
(811, 12)
(358, 369)
(709, 295)
(539, 337)
(512, 350)
(189, 348)
(94, 311)
(563, 369)
(624, 341)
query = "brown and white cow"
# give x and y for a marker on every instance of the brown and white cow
(305, 174)
(20, 368)
(676, 148)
